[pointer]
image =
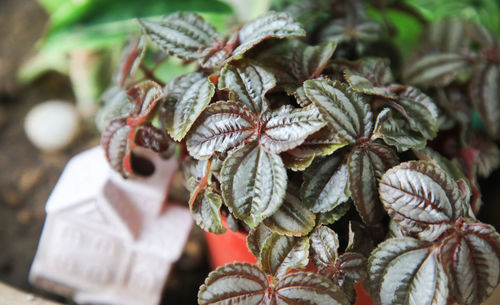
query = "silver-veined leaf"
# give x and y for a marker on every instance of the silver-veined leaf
(350, 266)
(448, 35)
(372, 77)
(256, 239)
(181, 34)
(115, 141)
(253, 183)
(249, 82)
(324, 246)
(304, 287)
(332, 216)
(394, 129)
(130, 60)
(186, 97)
(309, 61)
(281, 253)
(488, 158)
(220, 127)
(351, 29)
(419, 110)
(421, 197)
(271, 25)
(150, 137)
(367, 163)
(325, 183)
(473, 261)
(406, 271)
(287, 127)
(434, 69)
(205, 208)
(292, 218)
(485, 96)
(146, 96)
(236, 283)
(116, 104)
(347, 112)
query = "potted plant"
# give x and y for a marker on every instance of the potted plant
(302, 123)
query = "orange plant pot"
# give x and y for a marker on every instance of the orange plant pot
(232, 247)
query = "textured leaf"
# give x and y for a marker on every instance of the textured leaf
(473, 259)
(292, 218)
(150, 137)
(220, 127)
(249, 82)
(116, 105)
(216, 54)
(236, 283)
(421, 197)
(321, 143)
(271, 25)
(333, 215)
(372, 77)
(351, 29)
(130, 60)
(181, 34)
(281, 253)
(324, 247)
(419, 110)
(406, 271)
(287, 127)
(488, 158)
(303, 287)
(447, 35)
(256, 239)
(253, 183)
(309, 61)
(367, 163)
(206, 211)
(115, 141)
(360, 240)
(346, 111)
(325, 184)
(434, 69)
(485, 96)
(146, 96)
(395, 131)
(350, 267)
(186, 97)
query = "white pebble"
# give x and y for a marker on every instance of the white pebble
(52, 125)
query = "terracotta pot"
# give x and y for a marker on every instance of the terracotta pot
(232, 247)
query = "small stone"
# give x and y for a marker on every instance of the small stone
(24, 217)
(52, 125)
(30, 178)
(11, 198)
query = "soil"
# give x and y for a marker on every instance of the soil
(27, 175)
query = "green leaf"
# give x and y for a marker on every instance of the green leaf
(472, 258)
(324, 247)
(302, 287)
(281, 253)
(249, 82)
(347, 112)
(181, 34)
(292, 218)
(422, 198)
(448, 35)
(485, 96)
(253, 183)
(434, 69)
(206, 211)
(407, 271)
(372, 77)
(220, 127)
(234, 283)
(351, 29)
(309, 61)
(186, 97)
(334, 215)
(325, 184)
(271, 25)
(256, 239)
(287, 127)
(367, 163)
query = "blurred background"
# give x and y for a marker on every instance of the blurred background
(66, 50)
